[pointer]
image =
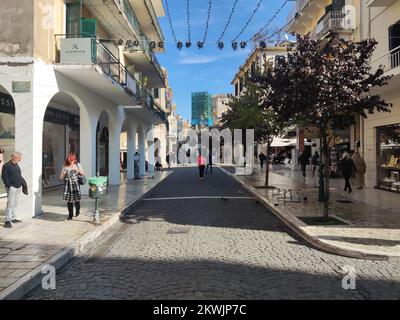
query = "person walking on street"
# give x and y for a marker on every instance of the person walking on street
(347, 170)
(262, 158)
(1, 159)
(201, 162)
(209, 164)
(167, 159)
(303, 162)
(13, 181)
(315, 162)
(361, 167)
(72, 190)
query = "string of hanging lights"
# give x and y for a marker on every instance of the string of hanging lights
(188, 42)
(170, 21)
(200, 44)
(248, 21)
(219, 42)
(265, 27)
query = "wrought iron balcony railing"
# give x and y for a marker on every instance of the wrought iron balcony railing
(151, 104)
(106, 61)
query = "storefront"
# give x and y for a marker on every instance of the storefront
(388, 157)
(7, 132)
(60, 136)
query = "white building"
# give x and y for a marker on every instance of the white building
(74, 74)
(219, 106)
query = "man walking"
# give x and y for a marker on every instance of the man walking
(209, 164)
(11, 175)
(303, 161)
(262, 158)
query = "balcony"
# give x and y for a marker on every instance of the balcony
(302, 15)
(110, 12)
(390, 62)
(141, 55)
(91, 63)
(380, 3)
(333, 21)
(148, 19)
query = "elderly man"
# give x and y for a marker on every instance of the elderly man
(11, 175)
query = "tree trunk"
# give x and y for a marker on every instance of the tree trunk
(267, 168)
(326, 178)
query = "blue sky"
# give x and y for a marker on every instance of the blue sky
(210, 69)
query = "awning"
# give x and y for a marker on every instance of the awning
(281, 142)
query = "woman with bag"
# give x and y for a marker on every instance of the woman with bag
(73, 177)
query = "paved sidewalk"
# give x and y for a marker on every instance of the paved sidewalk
(50, 239)
(372, 216)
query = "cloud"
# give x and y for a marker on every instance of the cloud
(190, 58)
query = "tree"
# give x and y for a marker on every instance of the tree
(324, 84)
(247, 112)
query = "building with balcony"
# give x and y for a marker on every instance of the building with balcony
(74, 74)
(256, 63)
(319, 18)
(380, 139)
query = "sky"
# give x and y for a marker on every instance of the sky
(210, 69)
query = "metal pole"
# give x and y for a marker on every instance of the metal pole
(96, 212)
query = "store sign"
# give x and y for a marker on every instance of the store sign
(76, 50)
(56, 116)
(6, 102)
(21, 86)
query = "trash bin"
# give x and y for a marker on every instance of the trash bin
(97, 188)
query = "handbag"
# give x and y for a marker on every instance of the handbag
(24, 186)
(81, 178)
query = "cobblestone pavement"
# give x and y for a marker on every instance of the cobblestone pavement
(211, 248)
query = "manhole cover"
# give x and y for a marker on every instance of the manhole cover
(178, 230)
(344, 201)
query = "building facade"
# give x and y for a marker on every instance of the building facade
(219, 106)
(201, 109)
(78, 73)
(318, 19)
(380, 139)
(256, 62)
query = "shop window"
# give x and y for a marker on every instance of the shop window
(7, 131)
(388, 157)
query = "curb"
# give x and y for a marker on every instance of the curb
(293, 224)
(32, 279)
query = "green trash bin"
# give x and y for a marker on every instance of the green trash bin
(97, 188)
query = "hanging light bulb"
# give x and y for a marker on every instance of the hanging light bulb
(188, 44)
(152, 44)
(200, 44)
(120, 42)
(136, 43)
(220, 45)
(234, 45)
(263, 44)
(179, 45)
(128, 43)
(243, 44)
(161, 44)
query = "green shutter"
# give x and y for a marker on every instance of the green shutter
(89, 27)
